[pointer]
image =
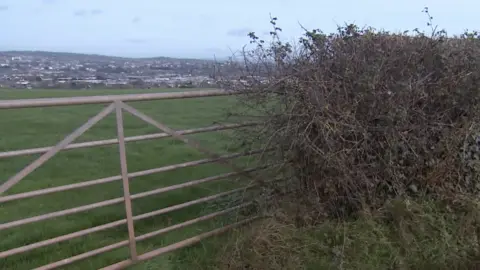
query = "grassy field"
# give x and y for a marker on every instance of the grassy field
(37, 127)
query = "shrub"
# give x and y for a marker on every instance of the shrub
(362, 115)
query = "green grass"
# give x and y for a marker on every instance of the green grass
(37, 127)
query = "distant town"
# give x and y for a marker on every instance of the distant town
(51, 70)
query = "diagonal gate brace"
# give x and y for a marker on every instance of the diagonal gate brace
(54, 150)
(188, 141)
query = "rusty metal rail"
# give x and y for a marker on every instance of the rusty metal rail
(182, 244)
(147, 236)
(51, 102)
(110, 179)
(117, 223)
(116, 105)
(41, 150)
(88, 207)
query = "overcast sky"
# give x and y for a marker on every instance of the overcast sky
(194, 28)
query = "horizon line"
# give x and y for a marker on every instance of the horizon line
(115, 56)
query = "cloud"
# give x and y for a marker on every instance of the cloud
(136, 19)
(3, 8)
(84, 12)
(239, 32)
(204, 18)
(96, 11)
(80, 13)
(137, 40)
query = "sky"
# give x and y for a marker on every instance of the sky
(202, 29)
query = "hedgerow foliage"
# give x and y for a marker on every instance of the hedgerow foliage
(363, 115)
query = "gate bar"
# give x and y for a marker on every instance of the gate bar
(188, 141)
(185, 243)
(40, 150)
(49, 102)
(125, 181)
(96, 205)
(124, 243)
(57, 148)
(114, 224)
(39, 192)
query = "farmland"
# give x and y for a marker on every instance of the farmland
(40, 127)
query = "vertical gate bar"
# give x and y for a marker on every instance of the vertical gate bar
(126, 186)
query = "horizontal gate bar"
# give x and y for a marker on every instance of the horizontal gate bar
(87, 207)
(178, 245)
(39, 192)
(49, 102)
(117, 223)
(101, 250)
(114, 224)
(40, 150)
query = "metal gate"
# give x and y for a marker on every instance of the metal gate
(116, 104)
